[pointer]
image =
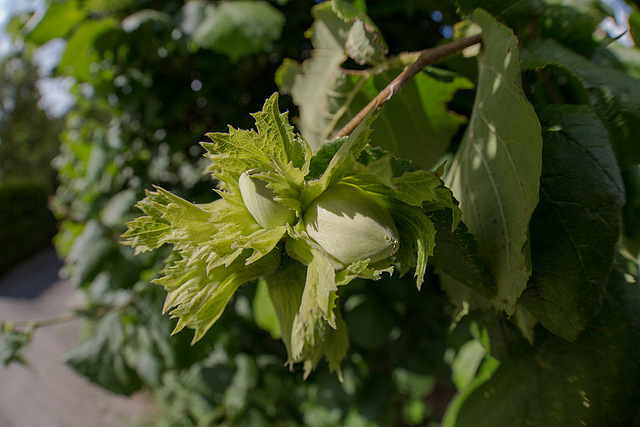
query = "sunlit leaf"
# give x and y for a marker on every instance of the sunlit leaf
(496, 171)
(58, 21)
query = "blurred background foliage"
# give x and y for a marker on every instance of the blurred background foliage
(148, 80)
(28, 143)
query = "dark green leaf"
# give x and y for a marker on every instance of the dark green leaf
(571, 24)
(515, 12)
(456, 254)
(592, 381)
(15, 343)
(237, 28)
(575, 228)
(100, 357)
(501, 337)
(611, 94)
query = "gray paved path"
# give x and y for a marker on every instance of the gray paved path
(48, 393)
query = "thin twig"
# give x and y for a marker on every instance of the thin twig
(66, 317)
(426, 57)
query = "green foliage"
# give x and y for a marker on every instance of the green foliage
(328, 95)
(496, 171)
(28, 137)
(574, 232)
(28, 143)
(218, 246)
(236, 29)
(595, 378)
(533, 245)
(608, 91)
(15, 343)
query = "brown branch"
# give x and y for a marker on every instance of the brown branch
(426, 57)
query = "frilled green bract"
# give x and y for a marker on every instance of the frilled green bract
(219, 246)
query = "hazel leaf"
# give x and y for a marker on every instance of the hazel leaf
(496, 171)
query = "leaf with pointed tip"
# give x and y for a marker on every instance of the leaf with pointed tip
(496, 171)
(417, 239)
(305, 342)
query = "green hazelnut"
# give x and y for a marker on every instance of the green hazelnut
(261, 204)
(350, 225)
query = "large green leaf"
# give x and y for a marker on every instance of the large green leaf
(456, 254)
(575, 228)
(414, 124)
(572, 23)
(60, 18)
(80, 52)
(316, 85)
(612, 94)
(592, 381)
(236, 29)
(495, 173)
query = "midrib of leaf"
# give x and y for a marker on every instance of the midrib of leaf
(345, 108)
(498, 195)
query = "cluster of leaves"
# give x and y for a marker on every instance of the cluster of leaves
(143, 94)
(218, 246)
(139, 108)
(534, 320)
